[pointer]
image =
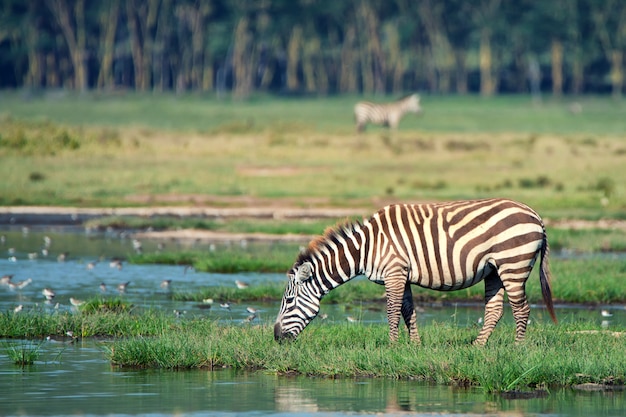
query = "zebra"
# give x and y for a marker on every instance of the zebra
(388, 114)
(442, 246)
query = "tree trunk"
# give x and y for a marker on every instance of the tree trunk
(349, 67)
(135, 44)
(461, 71)
(74, 37)
(243, 60)
(293, 58)
(557, 68)
(617, 73)
(487, 85)
(109, 28)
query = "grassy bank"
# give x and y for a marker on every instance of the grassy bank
(446, 357)
(164, 150)
(562, 355)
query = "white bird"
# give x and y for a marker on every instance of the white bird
(225, 306)
(351, 319)
(165, 284)
(20, 285)
(6, 279)
(91, 265)
(18, 308)
(137, 246)
(121, 288)
(606, 313)
(76, 302)
(252, 310)
(207, 301)
(250, 318)
(241, 285)
(48, 293)
(116, 263)
(63, 256)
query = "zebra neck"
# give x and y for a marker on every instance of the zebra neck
(337, 263)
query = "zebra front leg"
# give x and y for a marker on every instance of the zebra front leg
(494, 298)
(409, 314)
(395, 295)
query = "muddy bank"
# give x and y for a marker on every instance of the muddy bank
(74, 216)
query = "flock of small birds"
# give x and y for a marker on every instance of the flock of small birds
(49, 294)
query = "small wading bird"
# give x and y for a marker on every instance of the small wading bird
(225, 306)
(20, 285)
(241, 285)
(5, 279)
(48, 293)
(121, 288)
(116, 263)
(606, 313)
(76, 302)
(165, 284)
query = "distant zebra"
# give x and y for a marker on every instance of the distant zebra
(443, 246)
(387, 114)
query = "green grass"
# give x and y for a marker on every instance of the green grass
(205, 113)
(38, 324)
(343, 350)
(23, 354)
(168, 150)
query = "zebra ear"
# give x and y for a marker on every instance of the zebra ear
(304, 272)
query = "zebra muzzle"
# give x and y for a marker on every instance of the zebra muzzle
(279, 336)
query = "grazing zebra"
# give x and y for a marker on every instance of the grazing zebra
(388, 114)
(443, 246)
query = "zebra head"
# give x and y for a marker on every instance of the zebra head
(300, 303)
(413, 104)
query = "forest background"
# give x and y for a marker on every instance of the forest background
(322, 47)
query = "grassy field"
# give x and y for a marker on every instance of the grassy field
(181, 150)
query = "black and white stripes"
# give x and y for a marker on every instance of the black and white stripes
(442, 246)
(386, 114)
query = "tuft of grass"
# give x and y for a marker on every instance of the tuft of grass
(38, 324)
(23, 354)
(106, 305)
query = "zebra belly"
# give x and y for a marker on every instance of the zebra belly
(448, 282)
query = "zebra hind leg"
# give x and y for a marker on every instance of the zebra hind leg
(520, 308)
(409, 314)
(494, 299)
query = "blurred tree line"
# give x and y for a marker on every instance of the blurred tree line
(315, 46)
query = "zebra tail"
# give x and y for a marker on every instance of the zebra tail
(544, 278)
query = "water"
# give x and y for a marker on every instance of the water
(76, 378)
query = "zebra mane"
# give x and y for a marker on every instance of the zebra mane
(341, 230)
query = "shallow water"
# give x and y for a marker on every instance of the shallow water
(76, 379)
